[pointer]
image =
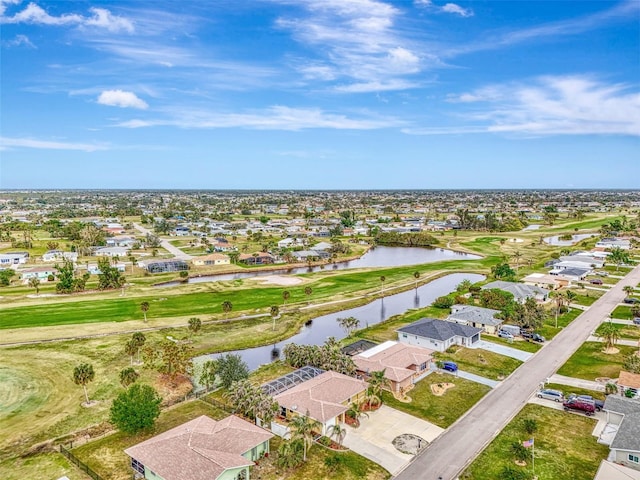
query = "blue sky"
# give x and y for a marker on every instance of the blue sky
(326, 94)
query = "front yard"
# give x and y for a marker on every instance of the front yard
(480, 362)
(589, 362)
(439, 410)
(564, 447)
(622, 312)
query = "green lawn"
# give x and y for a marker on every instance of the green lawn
(481, 362)
(443, 410)
(564, 447)
(622, 312)
(588, 299)
(549, 330)
(589, 362)
(630, 332)
(47, 465)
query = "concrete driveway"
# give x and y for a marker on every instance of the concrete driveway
(374, 436)
(504, 350)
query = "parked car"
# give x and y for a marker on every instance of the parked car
(550, 394)
(631, 300)
(450, 366)
(588, 407)
(527, 335)
(599, 404)
(505, 334)
(602, 274)
(595, 281)
(538, 338)
(636, 320)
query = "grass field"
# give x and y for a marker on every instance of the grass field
(549, 330)
(481, 362)
(531, 347)
(443, 410)
(589, 362)
(628, 332)
(622, 312)
(564, 447)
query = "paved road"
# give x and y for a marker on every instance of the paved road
(175, 251)
(454, 450)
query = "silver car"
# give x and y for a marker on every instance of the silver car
(549, 394)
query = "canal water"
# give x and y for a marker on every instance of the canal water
(555, 240)
(376, 257)
(325, 326)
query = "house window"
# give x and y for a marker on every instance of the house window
(404, 335)
(633, 458)
(137, 466)
(423, 366)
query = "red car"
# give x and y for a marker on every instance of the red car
(588, 407)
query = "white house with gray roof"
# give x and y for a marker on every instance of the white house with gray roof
(438, 335)
(622, 431)
(520, 291)
(479, 317)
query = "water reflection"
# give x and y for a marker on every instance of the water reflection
(372, 313)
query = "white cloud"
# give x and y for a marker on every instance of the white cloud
(457, 9)
(273, 118)
(19, 40)
(446, 8)
(356, 43)
(34, 14)
(105, 19)
(7, 143)
(551, 105)
(120, 98)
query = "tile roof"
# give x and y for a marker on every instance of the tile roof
(322, 396)
(473, 314)
(201, 449)
(439, 329)
(395, 359)
(628, 379)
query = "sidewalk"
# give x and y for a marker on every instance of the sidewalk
(476, 378)
(621, 341)
(503, 350)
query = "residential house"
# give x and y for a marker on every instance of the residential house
(479, 317)
(201, 449)
(93, 268)
(520, 291)
(622, 430)
(438, 335)
(13, 258)
(571, 274)
(324, 398)
(609, 243)
(162, 266)
(211, 259)
(41, 273)
(321, 247)
(260, 258)
(613, 471)
(546, 281)
(223, 247)
(629, 382)
(121, 241)
(589, 260)
(111, 252)
(403, 364)
(58, 255)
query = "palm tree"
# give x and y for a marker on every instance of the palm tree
(195, 324)
(628, 289)
(275, 311)
(355, 411)
(303, 427)
(227, 306)
(337, 431)
(348, 324)
(139, 340)
(128, 376)
(378, 381)
(82, 375)
(285, 296)
(609, 334)
(416, 275)
(559, 298)
(34, 282)
(382, 279)
(571, 296)
(144, 306)
(517, 255)
(308, 291)
(130, 348)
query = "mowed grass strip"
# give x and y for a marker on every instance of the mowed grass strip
(590, 362)
(439, 410)
(172, 304)
(622, 312)
(564, 447)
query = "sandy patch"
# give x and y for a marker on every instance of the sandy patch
(439, 389)
(279, 280)
(41, 295)
(611, 351)
(516, 240)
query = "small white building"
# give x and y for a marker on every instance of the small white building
(57, 255)
(111, 252)
(41, 273)
(13, 258)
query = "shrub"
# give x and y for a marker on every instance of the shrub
(136, 409)
(443, 302)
